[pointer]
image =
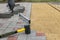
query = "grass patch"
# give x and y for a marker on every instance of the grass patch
(45, 0)
(36, 0)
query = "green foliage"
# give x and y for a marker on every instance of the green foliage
(45, 0)
(34, 0)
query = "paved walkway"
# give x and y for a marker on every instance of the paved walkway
(45, 19)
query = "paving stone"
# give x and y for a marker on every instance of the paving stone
(14, 23)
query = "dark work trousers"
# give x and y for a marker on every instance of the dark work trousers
(11, 7)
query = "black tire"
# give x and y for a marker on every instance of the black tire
(27, 29)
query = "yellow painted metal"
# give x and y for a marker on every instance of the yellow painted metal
(21, 30)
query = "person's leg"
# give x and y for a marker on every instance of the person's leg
(12, 8)
(9, 6)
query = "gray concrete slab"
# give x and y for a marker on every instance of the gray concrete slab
(27, 10)
(32, 36)
(6, 13)
(3, 39)
(16, 22)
